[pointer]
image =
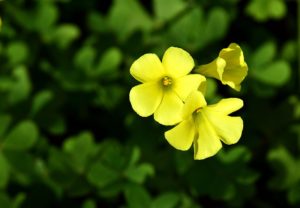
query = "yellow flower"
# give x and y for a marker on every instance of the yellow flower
(206, 125)
(230, 67)
(165, 85)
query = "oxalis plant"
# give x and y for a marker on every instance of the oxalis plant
(173, 90)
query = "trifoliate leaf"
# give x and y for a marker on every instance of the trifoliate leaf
(101, 175)
(276, 74)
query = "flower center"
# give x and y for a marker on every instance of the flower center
(196, 113)
(198, 110)
(166, 81)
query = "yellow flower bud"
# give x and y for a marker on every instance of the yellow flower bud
(229, 67)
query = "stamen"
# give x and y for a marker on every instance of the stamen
(166, 81)
(198, 110)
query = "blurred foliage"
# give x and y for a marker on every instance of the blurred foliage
(69, 138)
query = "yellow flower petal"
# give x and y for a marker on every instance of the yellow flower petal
(194, 101)
(227, 127)
(234, 76)
(236, 68)
(169, 111)
(177, 62)
(214, 69)
(147, 68)
(233, 55)
(227, 106)
(145, 98)
(181, 136)
(186, 84)
(208, 143)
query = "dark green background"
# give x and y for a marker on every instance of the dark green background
(68, 135)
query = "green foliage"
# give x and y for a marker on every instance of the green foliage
(131, 13)
(269, 70)
(165, 10)
(263, 10)
(69, 138)
(21, 137)
(166, 200)
(198, 29)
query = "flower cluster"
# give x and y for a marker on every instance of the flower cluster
(176, 96)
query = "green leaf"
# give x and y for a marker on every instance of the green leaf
(226, 177)
(277, 9)
(22, 137)
(289, 51)
(264, 54)
(89, 204)
(135, 156)
(101, 175)
(84, 58)
(44, 17)
(18, 200)
(22, 166)
(21, 87)
(40, 18)
(136, 196)
(276, 74)
(247, 177)
(262, 10)
(139, 173)
(195, 31)
(97, 22)
(257, 9)
(211, 88)
(40, 100)
(286, 166)
(17, 52)
(131, 13)
(189, 26)
(238, 153)
(166, 9)
(166, 200)
(109, 61)
(4, 172)
(61, 174)
(83, 143)
(113, 190)
(64, 35)
(110, 96)
(217, 18)
(113, 155)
